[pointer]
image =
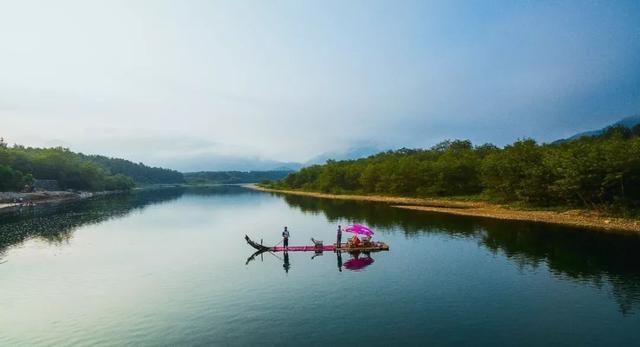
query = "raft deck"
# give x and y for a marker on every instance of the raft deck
(378, 246)
(374, 246)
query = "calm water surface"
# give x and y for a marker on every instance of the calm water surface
(171, 267)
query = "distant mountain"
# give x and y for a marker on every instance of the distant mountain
(628, 122)
(296, 167)
(349, 154)
(215, 162)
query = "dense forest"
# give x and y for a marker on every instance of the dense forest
(19, 166)
(140, 173)
(599, 171)
(234, 177)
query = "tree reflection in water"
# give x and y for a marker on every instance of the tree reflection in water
(579, 255)
(56, 223)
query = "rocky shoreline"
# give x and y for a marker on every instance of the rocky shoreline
(14, 199)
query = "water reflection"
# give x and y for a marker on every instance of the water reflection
(358, 261)
(56, 223)
(605, 260)
(286, 265)
(219, 190)
(579, 255)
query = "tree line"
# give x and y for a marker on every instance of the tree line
(594, 171)
(139, 172)
(20, 166)
(234, 177)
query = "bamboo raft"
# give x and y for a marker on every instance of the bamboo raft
(343, 247)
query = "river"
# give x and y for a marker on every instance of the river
(171, 267)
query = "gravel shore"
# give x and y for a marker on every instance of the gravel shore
(8, 199)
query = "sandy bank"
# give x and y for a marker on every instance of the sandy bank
(577, 218)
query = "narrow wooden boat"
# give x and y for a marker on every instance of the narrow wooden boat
(372, 247)
(255, 245)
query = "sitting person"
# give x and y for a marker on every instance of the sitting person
(355, 241)
(317, 244)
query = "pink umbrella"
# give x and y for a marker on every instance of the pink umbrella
(359, 229)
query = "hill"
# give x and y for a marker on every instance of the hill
(628, 122)
(139, 172)
(20, 166)
(234, 177)
(349, 154)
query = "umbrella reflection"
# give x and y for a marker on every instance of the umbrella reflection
(357, 263)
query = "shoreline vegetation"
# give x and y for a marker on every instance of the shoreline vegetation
(22, 169)
(53, 175)
(591, 181)
(575, 217)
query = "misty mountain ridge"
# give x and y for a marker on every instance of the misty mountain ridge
(213, 162)
(628, 122)
(348, 154)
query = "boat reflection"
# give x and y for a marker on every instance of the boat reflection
(286, 263)
(358, 261)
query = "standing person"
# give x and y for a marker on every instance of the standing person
(339, 237)
(285, 237)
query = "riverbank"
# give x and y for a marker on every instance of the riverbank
(9, 199)
(576, 218)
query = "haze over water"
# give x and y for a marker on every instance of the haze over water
(169, 267)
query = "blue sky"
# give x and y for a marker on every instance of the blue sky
(211, 84)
